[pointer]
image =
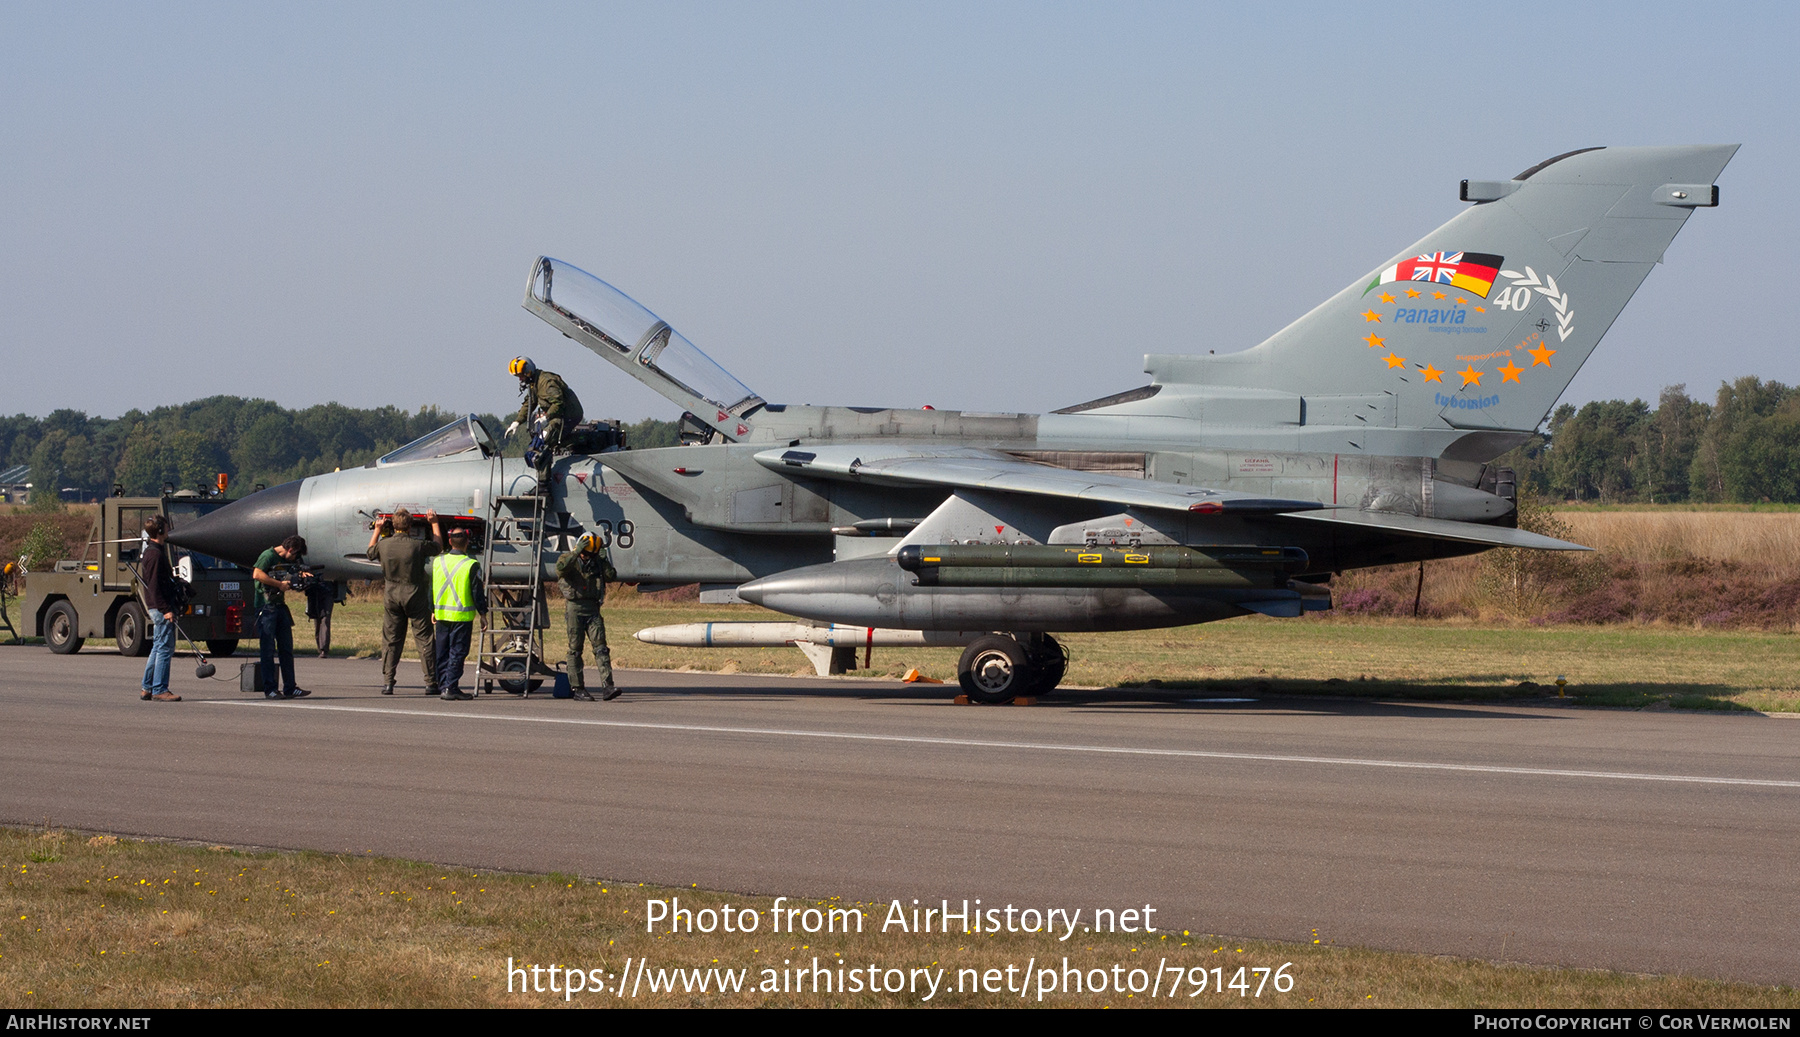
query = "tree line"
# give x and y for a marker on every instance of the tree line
(1744, 447)
(251, 441)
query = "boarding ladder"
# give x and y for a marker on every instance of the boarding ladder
(512, 646)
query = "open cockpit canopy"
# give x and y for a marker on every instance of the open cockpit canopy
(613, 325)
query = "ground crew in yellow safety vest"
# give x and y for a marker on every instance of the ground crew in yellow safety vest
(457, 601)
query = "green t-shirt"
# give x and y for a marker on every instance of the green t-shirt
(267, 561)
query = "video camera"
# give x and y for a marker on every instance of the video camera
(297, 578)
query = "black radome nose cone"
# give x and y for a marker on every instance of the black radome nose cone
(240, 531)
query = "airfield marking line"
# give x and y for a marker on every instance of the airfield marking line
(976, 743)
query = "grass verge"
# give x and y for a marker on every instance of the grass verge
(98, 921)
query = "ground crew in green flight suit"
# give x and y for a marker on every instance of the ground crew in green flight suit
(545, 391)
(582, 575)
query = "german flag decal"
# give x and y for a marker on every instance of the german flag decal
(1468, 271)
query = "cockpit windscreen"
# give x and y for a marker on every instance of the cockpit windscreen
(460, 436)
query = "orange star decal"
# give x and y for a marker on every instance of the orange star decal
(1437, 295)
(1432, 374)
(1412, 293)
(1470, 376)
(1396, 361)
(1385, 297)
(1481, 309)
(1371, 315)
(1510, 372)
(1541, 355)
(1460, 301)
(1375, 341)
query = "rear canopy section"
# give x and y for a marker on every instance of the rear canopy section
(638, 342)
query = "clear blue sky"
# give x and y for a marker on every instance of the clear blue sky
(988, 206)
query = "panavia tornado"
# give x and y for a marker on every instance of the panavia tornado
(1234, 483)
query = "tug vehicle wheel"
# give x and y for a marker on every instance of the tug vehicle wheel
(131, 630)
(60, 628)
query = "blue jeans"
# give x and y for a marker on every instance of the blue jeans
(275, 627)
(162, 652)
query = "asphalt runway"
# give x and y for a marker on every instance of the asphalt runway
(1651, 842)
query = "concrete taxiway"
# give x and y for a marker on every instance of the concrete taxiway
(1653, 842)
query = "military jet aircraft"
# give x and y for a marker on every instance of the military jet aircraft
(1232, 484)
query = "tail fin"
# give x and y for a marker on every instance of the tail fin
(1483, 322)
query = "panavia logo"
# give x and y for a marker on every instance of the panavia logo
(1408, 315)
(1469, 271)
(1467, 402)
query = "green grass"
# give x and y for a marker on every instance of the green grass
(97, 922)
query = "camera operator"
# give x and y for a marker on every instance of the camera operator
(277, 572)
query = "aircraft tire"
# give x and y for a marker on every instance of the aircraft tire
(515, 680)
(223, 648)
(131, 630)
(994, 670)
(1051, 663)
(60, 626)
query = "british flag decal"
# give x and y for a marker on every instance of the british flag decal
(1467, 271)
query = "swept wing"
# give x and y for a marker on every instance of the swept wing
(977, 469)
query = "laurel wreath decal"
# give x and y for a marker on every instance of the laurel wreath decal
(1559, 299)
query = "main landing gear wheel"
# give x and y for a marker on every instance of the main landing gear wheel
(131, 630)
(993, 669)
(1049, 662)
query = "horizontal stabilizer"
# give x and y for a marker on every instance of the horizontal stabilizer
(1438, 529)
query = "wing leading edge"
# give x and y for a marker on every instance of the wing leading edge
(1438, 529)
(974, 469)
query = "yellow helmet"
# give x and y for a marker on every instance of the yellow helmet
(521, 366)
(589, 543)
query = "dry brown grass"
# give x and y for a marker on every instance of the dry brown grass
(104, 922)
(75, 524)
(1762, 539)
(1664, 567)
